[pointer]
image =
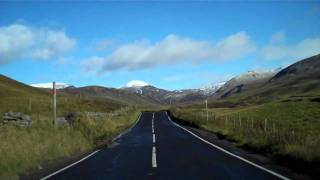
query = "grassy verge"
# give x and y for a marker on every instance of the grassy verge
(285, 128)
(24, 148)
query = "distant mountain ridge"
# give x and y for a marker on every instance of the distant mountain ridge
(304, 74)
(59, 85)
(301, 79)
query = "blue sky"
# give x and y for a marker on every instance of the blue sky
(172, 45)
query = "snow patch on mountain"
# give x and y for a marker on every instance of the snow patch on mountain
(135, 83)
(59, 85)
(254, 75)
(212, 88)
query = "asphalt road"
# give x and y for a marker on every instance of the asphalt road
(156, 148)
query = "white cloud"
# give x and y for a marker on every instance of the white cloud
(20, 41)
(53, 44)
(174, 49)
(303, 49)
(92, 64)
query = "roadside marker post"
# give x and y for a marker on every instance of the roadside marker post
(265, 124)
(54, 104)
(30, 105)
(207, 110)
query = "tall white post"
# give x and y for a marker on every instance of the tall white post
(54, 105)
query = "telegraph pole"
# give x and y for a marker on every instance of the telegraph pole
(54, 104)
(207, 110)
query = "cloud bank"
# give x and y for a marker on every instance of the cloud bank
(20, 41)
(277, 50)
(174, 49)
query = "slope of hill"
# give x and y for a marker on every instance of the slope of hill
(244, 82)
(307, 68)
(299, 79)
(302, 77)
(16, 96)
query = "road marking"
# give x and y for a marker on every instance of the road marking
(154, 157)
(231, 154)
(52, 174)
(154, 138)
(70, 165)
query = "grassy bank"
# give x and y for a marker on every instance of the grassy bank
(283, 128)
(24, 148)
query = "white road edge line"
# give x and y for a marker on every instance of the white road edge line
(133, 125)
(154, 157)
(91, 154)
(52, 174)
(154, 138)
(231, 154)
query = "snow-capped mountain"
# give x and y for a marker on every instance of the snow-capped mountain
(253, 75)
(245, 81)
(59, 85)
(135, 83)
(212, 88)
(135, 86)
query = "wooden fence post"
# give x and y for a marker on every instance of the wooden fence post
(265, 124)
(30, 105)
(251, 123)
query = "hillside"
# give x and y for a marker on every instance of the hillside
(244, 82)
(299, 78)
(16, 96)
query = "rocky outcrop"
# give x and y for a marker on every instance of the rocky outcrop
(16, 118)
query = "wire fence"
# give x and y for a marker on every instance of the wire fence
(269, 130)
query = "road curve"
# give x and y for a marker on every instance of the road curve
(156, 148)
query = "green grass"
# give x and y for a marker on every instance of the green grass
(292, 129)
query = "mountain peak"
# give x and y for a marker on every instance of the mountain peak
(136, 83)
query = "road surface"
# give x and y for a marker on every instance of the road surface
(157, 148)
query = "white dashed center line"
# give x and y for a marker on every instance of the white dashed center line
(154, 157)
(154, 154)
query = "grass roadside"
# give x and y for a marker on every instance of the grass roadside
(286, 129)
(25, 148)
